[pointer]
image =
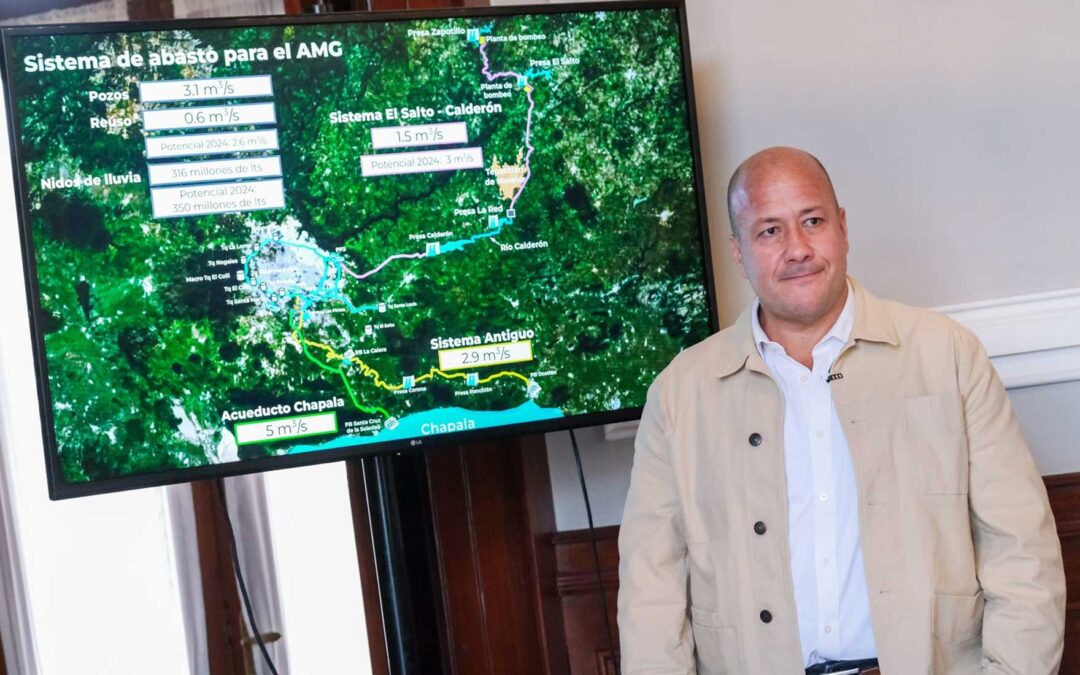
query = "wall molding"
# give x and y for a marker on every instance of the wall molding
(1032, 339)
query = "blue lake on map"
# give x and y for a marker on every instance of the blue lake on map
(420, 425)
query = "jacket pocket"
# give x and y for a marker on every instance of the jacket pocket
(937, 445)
(717, 645)
(957, 618)
(957, 630)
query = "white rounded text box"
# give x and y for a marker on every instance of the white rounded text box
(205, 89)
(175, 173)
(392, 164)
(413, 135)
(211, 144)
(209, 116)
(197, 200)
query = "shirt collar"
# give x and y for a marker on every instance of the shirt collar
(734, 348)
(841, 328)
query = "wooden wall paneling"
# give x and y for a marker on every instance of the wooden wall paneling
(540, 515)
(12, 10)
(432, 4)
(221, 599)
(464, 620)
(490, 562)
(150, 9)
(1064, 493)
(586, 633)
(476, 539)
(384, 5)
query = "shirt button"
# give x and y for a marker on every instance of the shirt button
(824, 498)
(759, 527)
(824, 562)
(819, 434)
(755, 439)
(804, 378)
(828, 628)
(766, 616)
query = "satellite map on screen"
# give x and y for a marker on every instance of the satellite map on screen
(280, 239)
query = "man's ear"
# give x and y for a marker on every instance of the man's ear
(736, 252)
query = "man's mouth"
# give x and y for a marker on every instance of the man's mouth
(801, 275)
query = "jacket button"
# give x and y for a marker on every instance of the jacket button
(759, 527)
(755, 439)
(766, 616)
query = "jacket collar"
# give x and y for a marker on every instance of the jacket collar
(735, 346)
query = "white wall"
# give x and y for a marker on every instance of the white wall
(950, 133)
(606, 465)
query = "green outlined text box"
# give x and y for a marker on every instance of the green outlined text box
(480, 356)
(285, 428)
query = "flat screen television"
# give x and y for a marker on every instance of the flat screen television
(260, 243)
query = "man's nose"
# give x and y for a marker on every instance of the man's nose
(798, 244)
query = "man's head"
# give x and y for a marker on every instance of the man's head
(789, 236)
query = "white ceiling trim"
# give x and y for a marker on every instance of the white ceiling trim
(1031, 339)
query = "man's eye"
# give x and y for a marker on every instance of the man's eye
(813, 221)
(770, 232)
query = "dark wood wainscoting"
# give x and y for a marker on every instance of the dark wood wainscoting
(586, 638)
(1064, 491)
(457, 544)
(493, 520)
(586, 631)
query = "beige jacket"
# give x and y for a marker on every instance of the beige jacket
(962, 557)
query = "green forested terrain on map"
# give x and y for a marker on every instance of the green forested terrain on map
(552, 277)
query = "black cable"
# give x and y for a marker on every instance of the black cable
(596, 553)
(240, 580)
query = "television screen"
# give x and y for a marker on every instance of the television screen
(259, 243)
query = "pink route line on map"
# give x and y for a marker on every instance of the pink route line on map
(528, 116)
(382, 264)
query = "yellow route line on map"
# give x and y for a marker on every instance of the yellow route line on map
(374, 374)
(505, 373)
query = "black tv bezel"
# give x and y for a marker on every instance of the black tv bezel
(60, 489)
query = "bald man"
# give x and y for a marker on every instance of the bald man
(834, 484)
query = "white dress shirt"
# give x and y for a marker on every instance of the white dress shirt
(826, 560)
